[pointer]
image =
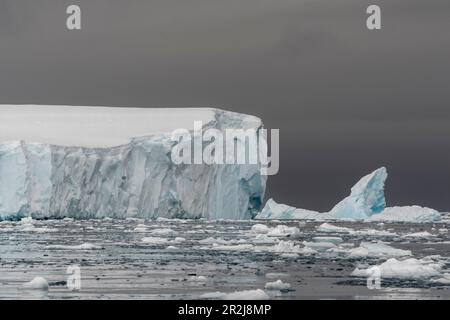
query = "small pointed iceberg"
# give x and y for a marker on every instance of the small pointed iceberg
(366, 197)
(365, 202)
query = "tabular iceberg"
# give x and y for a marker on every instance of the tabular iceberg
(365, 202)
(92, 162)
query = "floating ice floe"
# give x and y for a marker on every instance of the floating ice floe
(379, 249)
(163, 232)
(334, 240)
(27, 225)
(201, 279)
(365, 202)
(407, 214)
(83, 246)
(405, 269)
(373, 233)
(94, 162)
(140, 228)
(284, 231)
(273, 210)
(155, 240)
(277, 285)
(420, 235)
(256, 294)
(38, 283)
(329, 228)
(278, 231)
(287, 247)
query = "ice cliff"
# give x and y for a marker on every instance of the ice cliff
(365, 202)
(92, 162)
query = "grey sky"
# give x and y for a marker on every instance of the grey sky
(347, 100)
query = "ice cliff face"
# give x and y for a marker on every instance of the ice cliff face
(365, 202)
(127, 176)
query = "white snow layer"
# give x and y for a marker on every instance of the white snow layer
(365, 202)
(94, 162)
(405, 269)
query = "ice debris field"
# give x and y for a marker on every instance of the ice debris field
(223, 259)
(105, 196)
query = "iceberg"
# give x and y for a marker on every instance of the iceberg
(365, 202)
(366, 197)
(96, 162)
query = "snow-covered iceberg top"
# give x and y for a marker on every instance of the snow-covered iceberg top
(365, 202)
(93, 162)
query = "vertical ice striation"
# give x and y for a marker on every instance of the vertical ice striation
(13, 177)
(43, 176)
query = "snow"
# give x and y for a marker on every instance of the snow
(140, 229)
(405, 269)
(96, 162)
(27, 225)
(256, 294)
(365, 202)
(211, 240)
(38, 283)
(277, 285)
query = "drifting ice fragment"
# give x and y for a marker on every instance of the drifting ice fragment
(411, 214)
(94, 162)
(273, 210)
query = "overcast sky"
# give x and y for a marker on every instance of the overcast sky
(347, 100)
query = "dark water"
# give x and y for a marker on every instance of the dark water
(119, 265)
